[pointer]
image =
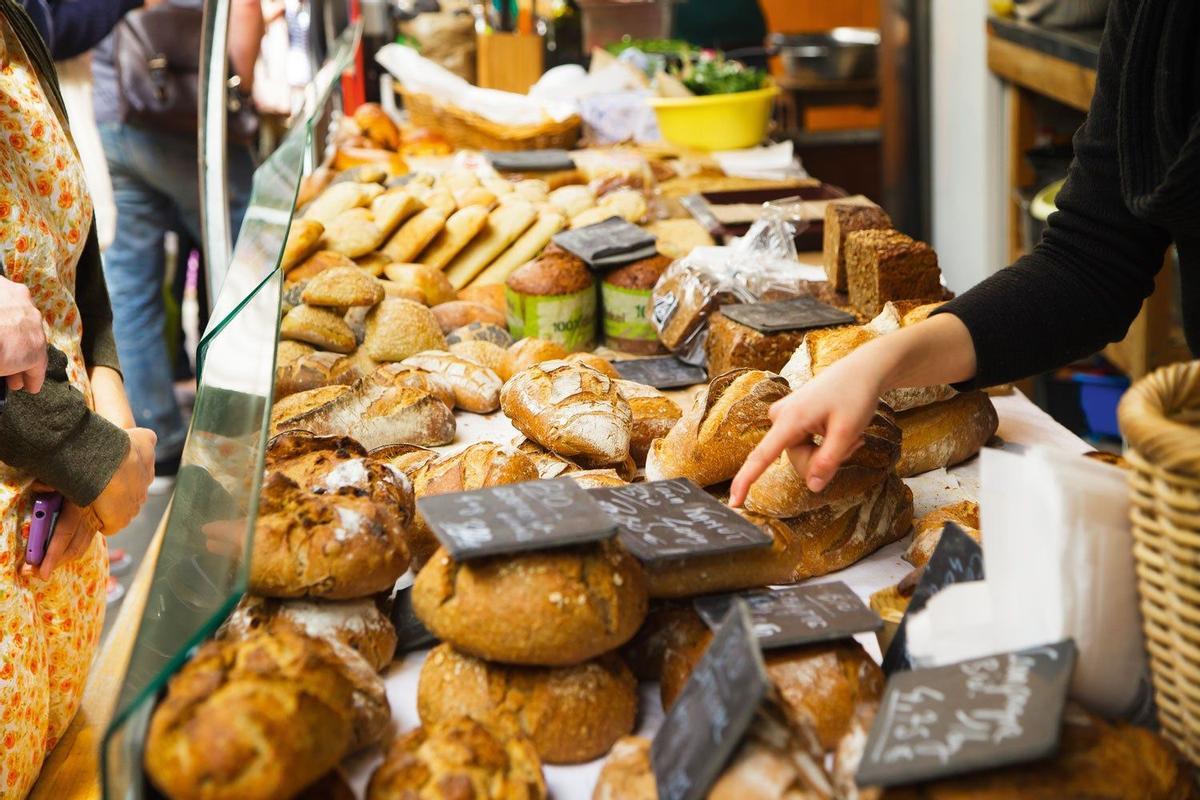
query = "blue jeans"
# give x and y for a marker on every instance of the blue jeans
(156, 188)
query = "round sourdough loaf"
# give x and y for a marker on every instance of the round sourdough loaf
(551, 607)
(571, 714)
(256, 719)
(459, 758)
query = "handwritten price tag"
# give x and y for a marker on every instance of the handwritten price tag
(974, 715)
(797, 614)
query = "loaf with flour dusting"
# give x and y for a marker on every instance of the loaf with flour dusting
(945, 433)
(476, 388)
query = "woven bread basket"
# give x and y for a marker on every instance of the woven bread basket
(469, 131)
(1160, 419)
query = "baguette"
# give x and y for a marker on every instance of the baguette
(712, 440)
(476, 388)
(503, 227)
(527, 247)
(945, 433)
(781, 493)
(339, 198)
(460, 229)
(572, 411)
(414, 235)
(816, 543)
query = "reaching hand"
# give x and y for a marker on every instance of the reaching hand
(837, 405)
(22, 340)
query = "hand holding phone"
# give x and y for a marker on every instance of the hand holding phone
(46, 508)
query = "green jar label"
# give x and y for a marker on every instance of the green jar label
(569, 319)
(626, 313)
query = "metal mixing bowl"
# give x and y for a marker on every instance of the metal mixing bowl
(842, 54)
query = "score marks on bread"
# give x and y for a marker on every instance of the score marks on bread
(535, 515)
(796, 615)
(660, 520)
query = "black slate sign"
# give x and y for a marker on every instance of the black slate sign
(957, 559)
(979, 714)
(712, 713)
(608, 244)
(411, 633)
(548, 160)
(796, 614)
(535, 515)
(661, 372)
(660, 520)
(797, 314)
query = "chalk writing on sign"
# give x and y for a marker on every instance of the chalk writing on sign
(797, 615)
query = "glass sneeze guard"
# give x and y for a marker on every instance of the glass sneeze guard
(201, 568)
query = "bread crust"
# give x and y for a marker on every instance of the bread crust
(653, 414)
(946, 433)
(528, 352)
(397, 329)
(476, 388)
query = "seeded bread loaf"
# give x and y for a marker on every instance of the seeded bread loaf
(842, 219)
(883, 265)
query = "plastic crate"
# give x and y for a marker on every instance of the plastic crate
(1098, 397)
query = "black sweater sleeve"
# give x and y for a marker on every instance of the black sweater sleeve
(1084, 283)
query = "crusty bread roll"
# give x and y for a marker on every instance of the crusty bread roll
(304, 237)
(288, 351)
(317, 263)
(373, 264)
(478, 466)
(348, 369)
(380, 409)
(823, 346)
(927, 531)
(459, 758)
(342, 287)
(481, 352)
(780, 492)
(421, 283)
(339, 198)
(527, 352)
(319, 327)
(571, 714)
(256, 719)
(331, 521)
(830, 538)
(377, 126)
(396, 329)
(481, 331)
(476, 388)
(548, 464)
(311, 371)
(392, 374)
(598, 363)
(654, 414)
(552, 607)
(357, 624)
(713, 438)
(571, 410)
(457, 313)
(596, 478)
(296, 404)
(946, 433)
(488, 294)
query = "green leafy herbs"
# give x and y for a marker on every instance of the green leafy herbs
(711, 73)
(664, 47)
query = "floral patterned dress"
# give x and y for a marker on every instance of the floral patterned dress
(48, 629)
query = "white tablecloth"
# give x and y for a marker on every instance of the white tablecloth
(1021, 424)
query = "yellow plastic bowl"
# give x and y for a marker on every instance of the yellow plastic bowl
(716, 121)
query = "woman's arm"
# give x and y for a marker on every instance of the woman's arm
(246, 29)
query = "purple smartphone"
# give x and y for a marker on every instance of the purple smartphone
(41, 527)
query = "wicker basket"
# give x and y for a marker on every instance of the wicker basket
(469, 131)
(1160, 418)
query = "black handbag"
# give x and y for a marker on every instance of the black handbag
(157, 57)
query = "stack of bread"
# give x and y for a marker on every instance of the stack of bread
(941, 427)
(290, 686)
(865, 506)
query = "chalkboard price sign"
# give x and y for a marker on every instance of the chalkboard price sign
(797, 314)
(797, 614)
(712, 713)
(411, 633)
(957, 559)
(661, 372)
(535, 515)
(978, 714)
(660, 520)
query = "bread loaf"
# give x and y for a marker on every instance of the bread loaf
(571, 410)
(342, 287)
(339, 198)
(653, 413)
(676, 238)
(927, 531)
(528, 246)
(503, 227)
(732, 345)
(596, 362)
(627, 774)
(356, 624)
(945, 433)
(460, 229)
(256, 719)
(392, 374)
(713, 438)
(671, 627)
(571, 714)
(625, 296)
(415, 234)
(423, 284)
(302, 402)
(528, 352)
(596, 478)
(553, 607)
(459, 758)
(377, 126)
(553, 298)
(816, 543)
(780, 492)
(304, 236)
(378, 412)
(481, 331)
(883, 265)
(821, 348)
(842, 219)
(311, 371)
(478, 466)
(476, 388)
(330, 525)
(317, 263)
(548, 464)
(457, 313)
(287, 352)
(319, 327)
(397, 329)
(373, 264)
(485, 354)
